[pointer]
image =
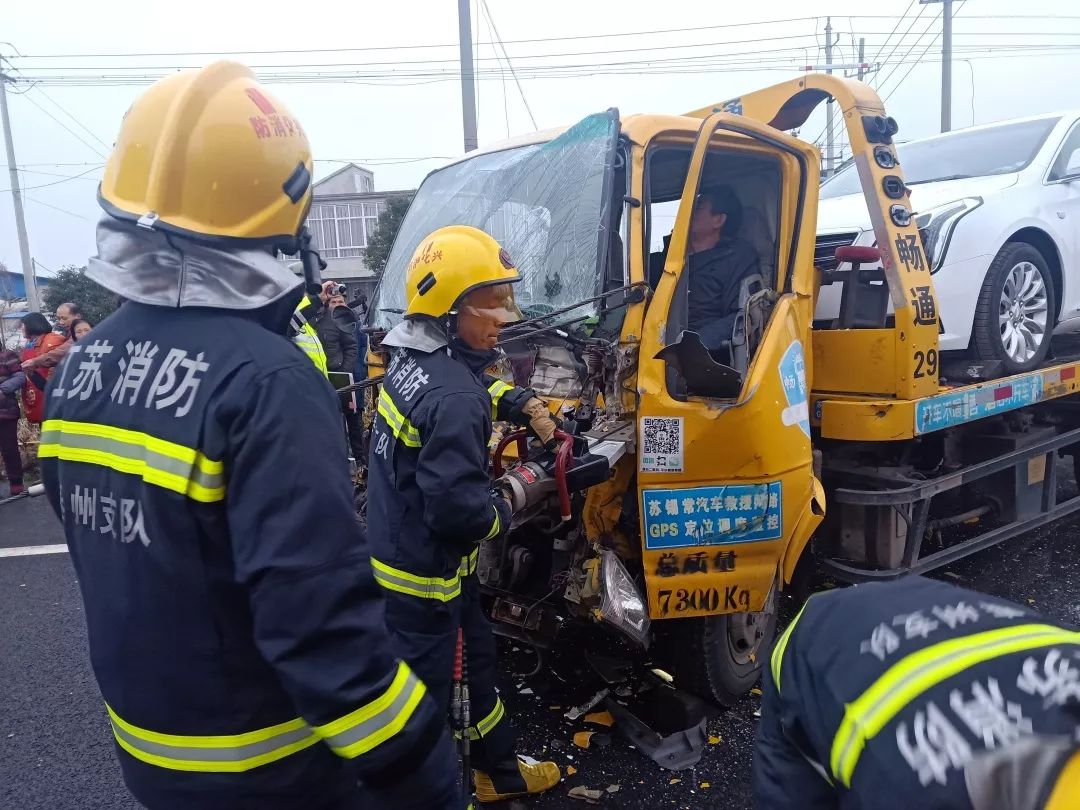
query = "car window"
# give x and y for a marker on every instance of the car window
(1067, 163)
(968, 153)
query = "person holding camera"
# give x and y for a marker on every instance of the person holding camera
(334, 323)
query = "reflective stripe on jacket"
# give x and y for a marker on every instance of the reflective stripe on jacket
(306, 337)
(236, 630)
(430, 499)
(895, 692)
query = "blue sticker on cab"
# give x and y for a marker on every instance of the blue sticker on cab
(712, 516)
(793, 378)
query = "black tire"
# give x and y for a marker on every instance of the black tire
(987, 342)
(703, 659)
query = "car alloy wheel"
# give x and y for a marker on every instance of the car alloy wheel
(1022, 312)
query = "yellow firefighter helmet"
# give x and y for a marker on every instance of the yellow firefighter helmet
(452, 262)
(212, 155)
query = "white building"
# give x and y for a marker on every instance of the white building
(344, 212)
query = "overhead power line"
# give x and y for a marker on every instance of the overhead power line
(64, 126)
(925, 51)
(56, 182)
(577, 37)
(56, 208)
(509, 64)
(83, 126)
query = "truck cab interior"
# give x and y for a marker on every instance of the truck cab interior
(755, 181)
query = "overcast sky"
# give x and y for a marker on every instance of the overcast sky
(382, 124)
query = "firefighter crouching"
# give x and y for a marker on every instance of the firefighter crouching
(235, 629)
(918, 694)
(430, 500)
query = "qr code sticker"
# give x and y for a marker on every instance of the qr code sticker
(661, 444)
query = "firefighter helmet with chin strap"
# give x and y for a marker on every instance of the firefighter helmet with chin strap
(449, 264)
(212, 155)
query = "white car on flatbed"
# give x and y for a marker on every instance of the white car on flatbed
(998, 207)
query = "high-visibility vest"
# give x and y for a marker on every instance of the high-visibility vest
(305, 336)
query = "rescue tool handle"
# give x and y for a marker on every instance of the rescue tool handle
(563, 459)
(457, 655)
(522, 439)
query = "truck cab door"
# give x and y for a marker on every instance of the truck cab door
(726, 485)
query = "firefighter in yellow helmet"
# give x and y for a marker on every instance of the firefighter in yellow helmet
(194, 457)
(430, 500)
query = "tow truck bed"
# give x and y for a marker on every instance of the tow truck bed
(875, 419)
(994, 445)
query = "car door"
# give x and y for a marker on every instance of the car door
(725, 476)
(1060, 209)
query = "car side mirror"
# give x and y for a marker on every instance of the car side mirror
(703, 375)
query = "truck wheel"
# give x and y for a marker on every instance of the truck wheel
(1015, 312)
(719, 658)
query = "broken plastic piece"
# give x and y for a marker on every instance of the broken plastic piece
(666, 725)
(570, 770)
(704, 786)
(674, 781)
(600, 719)
(612, 788)
(714, 739)
(585, 794)
(588, 705)
(583, 738)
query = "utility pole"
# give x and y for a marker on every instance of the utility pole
(862, 58)
(829, 145)
(16, 200)
(468, 76)
(946, 61)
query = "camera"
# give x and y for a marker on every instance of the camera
(336, 289)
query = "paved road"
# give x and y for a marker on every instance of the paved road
(55, 748)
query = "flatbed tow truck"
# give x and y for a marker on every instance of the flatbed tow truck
(696, 482)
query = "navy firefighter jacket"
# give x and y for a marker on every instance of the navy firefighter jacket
(235, 629)
(916, 694)
(430, 500)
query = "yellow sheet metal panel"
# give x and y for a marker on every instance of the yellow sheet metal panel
(854, 360)
(736, 477)
(867, 420)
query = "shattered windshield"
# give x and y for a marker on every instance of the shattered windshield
(544, 203)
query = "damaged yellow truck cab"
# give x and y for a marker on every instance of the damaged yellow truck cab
(727, 514)
(694, 483)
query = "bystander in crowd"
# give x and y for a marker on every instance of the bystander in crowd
(12, 380)
(41, 340)
(67, 316)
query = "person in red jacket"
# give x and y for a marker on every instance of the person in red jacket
(12, 380)
(40, 340)
(67, 317)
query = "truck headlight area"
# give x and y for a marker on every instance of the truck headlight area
(622, 604)
(936, 228)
